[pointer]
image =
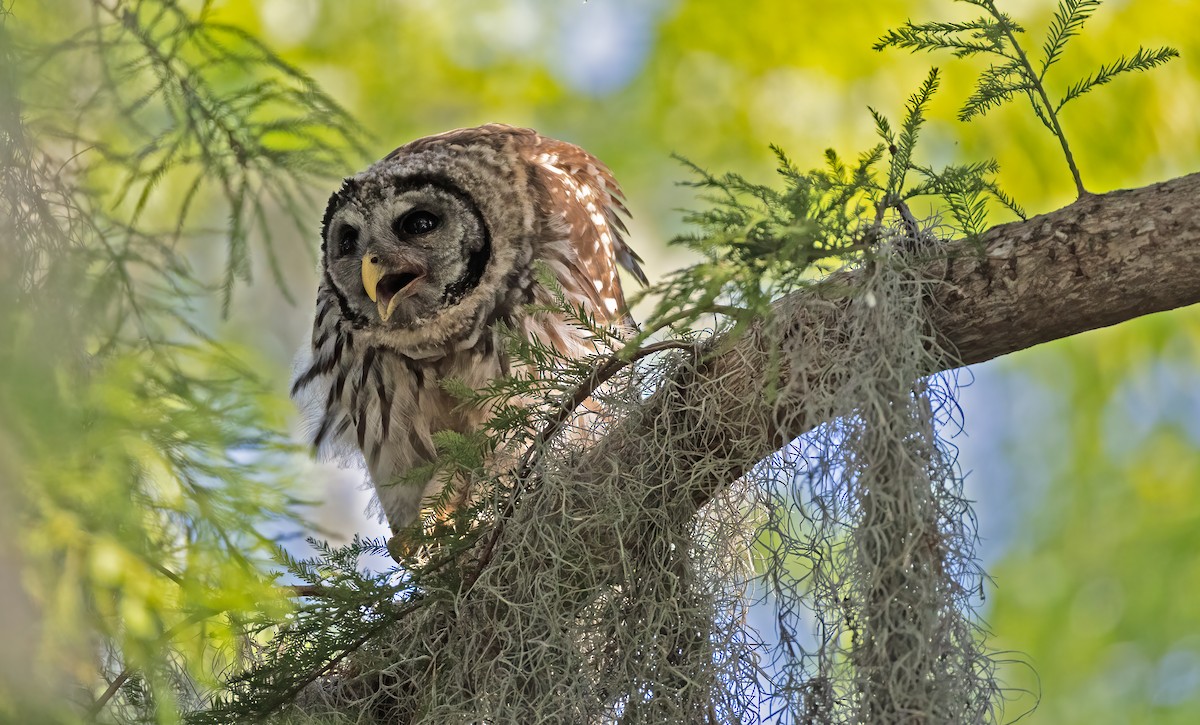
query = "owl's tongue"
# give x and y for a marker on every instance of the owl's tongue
(386, 282)
(390, 284)
(389, 288)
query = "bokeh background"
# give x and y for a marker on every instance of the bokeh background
(1084, 454)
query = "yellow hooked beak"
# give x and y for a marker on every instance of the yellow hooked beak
(371, 273)
(399, 283)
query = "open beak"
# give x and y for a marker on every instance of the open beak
(386, 286)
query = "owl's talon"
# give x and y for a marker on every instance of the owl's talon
(400, 548)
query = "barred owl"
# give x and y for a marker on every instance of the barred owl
(424, 255)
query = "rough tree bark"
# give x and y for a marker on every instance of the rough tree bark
(1102, 260)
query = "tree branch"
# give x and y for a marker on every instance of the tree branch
(1102, 260)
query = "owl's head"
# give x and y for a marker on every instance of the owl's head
(426, 247)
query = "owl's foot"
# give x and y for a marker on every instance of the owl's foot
(402, 548)
(416, 545)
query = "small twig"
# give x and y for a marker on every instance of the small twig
(165, 572)
(301, 590)
(691, 313)
(310, 590)
(108, 694)
(1040, 88)
(126, 673)
(288, 695)
(602, 374)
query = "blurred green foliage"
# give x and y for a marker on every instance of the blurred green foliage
(1098, 584)
(1095, 583)
(145, 457)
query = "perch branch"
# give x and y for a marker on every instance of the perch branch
(1102, 260)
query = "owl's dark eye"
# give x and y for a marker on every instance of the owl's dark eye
(417, 222)
(347, 240)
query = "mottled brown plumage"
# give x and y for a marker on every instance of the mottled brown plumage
(423, 255)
